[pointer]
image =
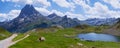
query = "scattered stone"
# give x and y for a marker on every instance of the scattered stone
(42, 38)
(80, 44)
(68, 36)
(33, 30)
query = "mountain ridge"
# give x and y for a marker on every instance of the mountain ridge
(29, 18)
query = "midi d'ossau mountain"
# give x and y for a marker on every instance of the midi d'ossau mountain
(29, 18)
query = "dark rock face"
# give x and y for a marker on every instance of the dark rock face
(63, 21)
(67, 22)
(28, 10)
(54, 18)
(28, 19)
(52, 15)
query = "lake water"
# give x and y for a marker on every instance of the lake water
(98, 37)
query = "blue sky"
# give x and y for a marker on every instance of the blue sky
(81, 9)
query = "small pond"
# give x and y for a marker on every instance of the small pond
(98, 37)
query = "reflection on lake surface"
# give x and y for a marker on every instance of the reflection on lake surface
(98, 37)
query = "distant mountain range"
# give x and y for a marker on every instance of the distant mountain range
(97, 21)
(29, 18)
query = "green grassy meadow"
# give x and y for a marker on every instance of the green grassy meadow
(62, 38)
(4, 34)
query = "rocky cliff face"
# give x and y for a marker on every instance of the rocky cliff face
(67, 22)
(28, 19)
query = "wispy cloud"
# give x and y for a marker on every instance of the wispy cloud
(43, 3)
(113, 3)
(100, 9)
(9, 16)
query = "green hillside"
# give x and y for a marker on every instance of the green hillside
(117, 25)
(4, 33)
(62, 38)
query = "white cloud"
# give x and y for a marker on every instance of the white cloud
(102, 11)
(29, 2)
(9, 16)
(57, 12)
(3, 17)
(62, 3)
(115, 14)
(65, 3)
(72, 15)
(114, 3)
(98, 10)
(83, 4)
(14, 0)
(44, 3)
(13, 14)
(43, 11)
(46, 12)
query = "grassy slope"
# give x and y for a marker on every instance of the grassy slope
(114, 29)
(4, 34)
(55, 38)
(19, 36)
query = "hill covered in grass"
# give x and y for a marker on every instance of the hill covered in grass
(117, 25)
(114, 29)
(62, 38)
(4, 33)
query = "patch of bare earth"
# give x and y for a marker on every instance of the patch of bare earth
(112, 31)
(6, 43)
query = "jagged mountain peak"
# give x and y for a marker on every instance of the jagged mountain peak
(52, 15)
(29, 18)
(65, 17)
(28, 10)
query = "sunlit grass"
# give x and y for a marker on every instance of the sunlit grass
(4, 34)
(62, 38)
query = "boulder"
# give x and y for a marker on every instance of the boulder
(42, 39)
